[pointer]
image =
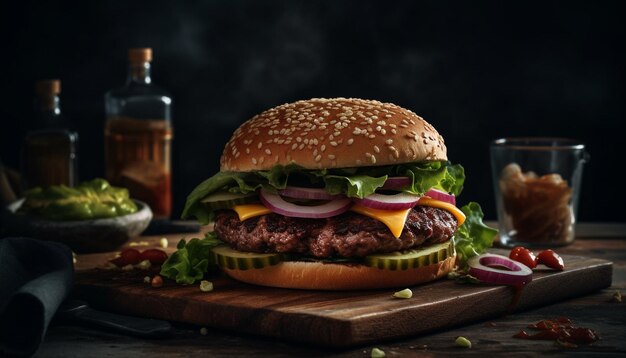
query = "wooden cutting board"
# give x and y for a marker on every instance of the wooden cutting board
(335, 319)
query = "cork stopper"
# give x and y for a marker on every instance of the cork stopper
(139, 55)
(48, 87)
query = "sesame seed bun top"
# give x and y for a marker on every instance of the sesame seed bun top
(332, 133)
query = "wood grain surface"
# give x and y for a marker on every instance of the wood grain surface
(335, 319)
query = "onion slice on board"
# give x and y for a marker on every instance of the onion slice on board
(480, 267)
(389, 202)
(278, 205)
(297, 192)
(441, 196)
(396, 183)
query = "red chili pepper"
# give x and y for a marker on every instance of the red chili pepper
(522, 335)
(155, 256)
(549, 335)
(523, 255)
(551, 259)
(583, 335)
(127, 257)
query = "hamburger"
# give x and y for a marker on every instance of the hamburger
(333, 194)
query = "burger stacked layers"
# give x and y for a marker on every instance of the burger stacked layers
(334, 194)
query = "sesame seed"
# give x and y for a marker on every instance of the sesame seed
(268, 151)
(331, 137)
(350, 141)
(333, 143)
(301, 146)
(261, 160)
(323, 147)
(393, 130)
(373, 159)
(331, 156)
(298, 139)
(372, 136)
(389, 141)
(259, 145)
(318, 158)
(376, 149)
(315, 152)
(368, 154)
(254, 161)
(247, 150)
(383, 131)
(378, 128)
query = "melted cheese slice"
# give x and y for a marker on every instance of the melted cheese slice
(248, 211)
(458, 214)
(394, 219)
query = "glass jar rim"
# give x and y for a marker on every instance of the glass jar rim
(538, 143)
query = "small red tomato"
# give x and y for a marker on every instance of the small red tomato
(127, 257)
(155, 256)
(523, 255)
(551, 259)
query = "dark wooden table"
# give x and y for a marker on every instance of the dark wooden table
(597, 311)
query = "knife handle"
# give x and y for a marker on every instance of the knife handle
(142, 327)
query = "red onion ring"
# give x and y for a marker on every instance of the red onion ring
(396, 183)
(278, 205)
(441, 196)
(389, 202)
(307, 193)
(480, 268)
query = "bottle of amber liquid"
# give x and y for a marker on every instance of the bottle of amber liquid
(49, 149)
(138, 136)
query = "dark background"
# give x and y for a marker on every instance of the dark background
(476, 70)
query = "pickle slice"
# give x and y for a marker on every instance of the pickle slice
(238, 260)
(226, 200)
(404, 260)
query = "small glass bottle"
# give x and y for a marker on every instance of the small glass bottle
(49, 150)
(138, 136)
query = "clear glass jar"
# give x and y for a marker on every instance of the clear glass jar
(138, 136)
(537, 185)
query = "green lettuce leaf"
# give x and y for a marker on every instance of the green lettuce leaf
(473, 237)
(191, 260)
(352, 182)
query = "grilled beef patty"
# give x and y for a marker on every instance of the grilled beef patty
(346, 235)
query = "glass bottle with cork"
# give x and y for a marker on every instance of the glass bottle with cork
(49, 150)
(138, 136)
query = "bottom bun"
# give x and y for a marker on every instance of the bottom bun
(335, 277)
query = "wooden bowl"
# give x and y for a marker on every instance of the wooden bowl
(98, 235)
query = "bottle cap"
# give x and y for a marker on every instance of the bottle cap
(138, 55)
(47, 87)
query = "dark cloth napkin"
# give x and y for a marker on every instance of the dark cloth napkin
(35, 277)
